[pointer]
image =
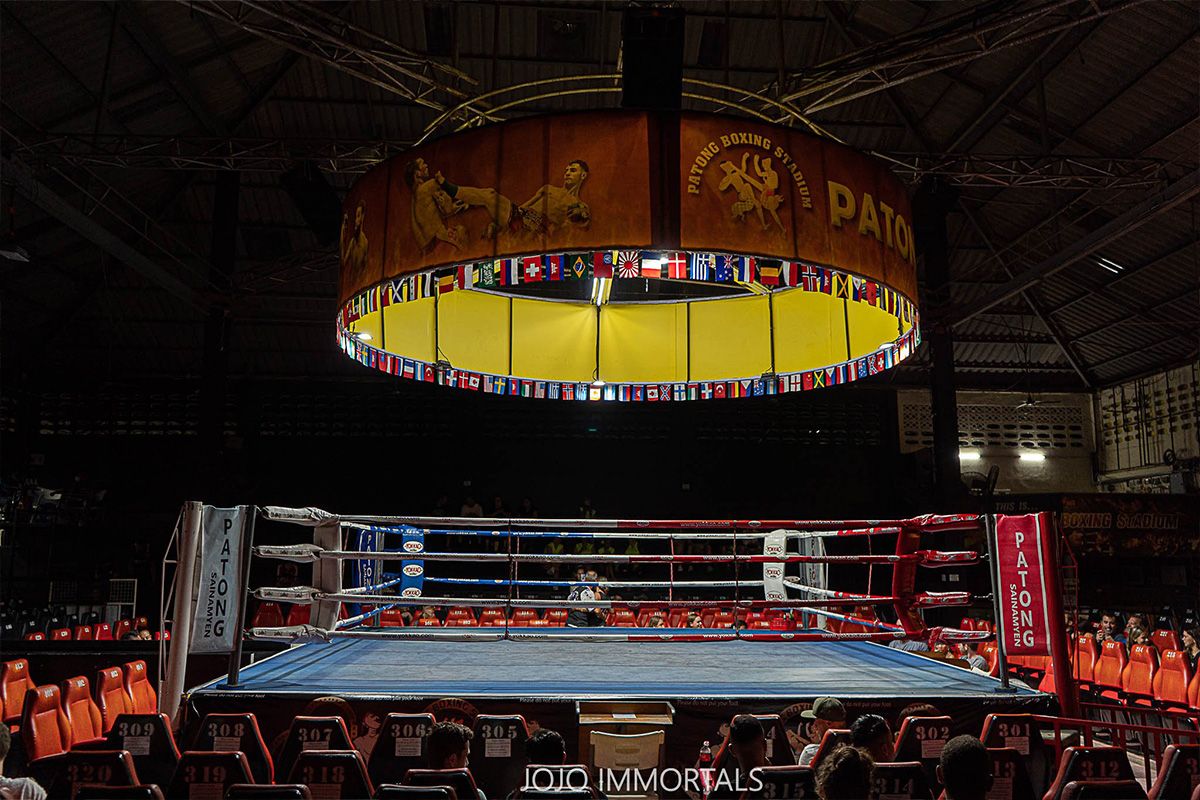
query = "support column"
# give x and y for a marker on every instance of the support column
(215, 368)
(931, 205)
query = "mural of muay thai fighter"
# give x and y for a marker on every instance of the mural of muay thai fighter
(435, 198)
(354, 241)
(743, 185)
(552, 207)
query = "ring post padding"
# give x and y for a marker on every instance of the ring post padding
(187, 548)
(327, 574)
(904, 581)
(774, 543)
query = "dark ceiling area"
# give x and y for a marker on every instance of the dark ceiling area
(1068, 128)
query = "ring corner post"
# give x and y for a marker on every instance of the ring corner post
(994, 567)
(239, 634)
(1064, 674)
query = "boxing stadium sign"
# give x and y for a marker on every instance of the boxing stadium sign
(1024, 597)
(218, 599)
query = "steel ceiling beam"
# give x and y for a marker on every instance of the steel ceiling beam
(54, 204)
(1127, 273)
(954, 40)
(1178, 192)
(327, 38)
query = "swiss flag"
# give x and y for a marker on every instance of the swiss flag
(531, 268)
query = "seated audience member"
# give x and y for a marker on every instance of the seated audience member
(973, 659)
(429, 612)
(655, 622)
(1134, 621)
(845, 774)
(1191, 646)
(1136, 635)
(694, 620)
(871, 733)
(546, 747)
(145, 635)
(964, 769)
(748, 751)
(1108, 629)
(470, 508)
(450, 747)
(916, 710)
(16, 788)
(826, 713)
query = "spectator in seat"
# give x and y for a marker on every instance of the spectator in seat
(16, 788)
(1108, 629)
(826, 713)
(972, 657)
(145, 635)
(748, 748)
(655, 622)
(499, 510)
(846, 774)
(1136, 635)
(694, 620)
(131, 637)
(1134, 621)
(528, 510)
(582, 617)
(1191, 646)
(871, 733)
(964, 769)
(450, 748)
(470, 508)
(546, 747)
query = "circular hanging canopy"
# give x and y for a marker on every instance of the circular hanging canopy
(629, 255)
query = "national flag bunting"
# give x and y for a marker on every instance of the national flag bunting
(676, 265)
(629, 264)
(602, 264)
(701, 266)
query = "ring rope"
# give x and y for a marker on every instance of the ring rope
(636, 535)
(531, 583)
(306, 553)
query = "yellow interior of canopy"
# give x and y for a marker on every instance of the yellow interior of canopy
(735, 337)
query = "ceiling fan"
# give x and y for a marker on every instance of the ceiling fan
(1033, 402)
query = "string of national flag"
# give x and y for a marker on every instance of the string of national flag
(758, 275)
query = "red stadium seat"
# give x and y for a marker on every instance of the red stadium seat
(148, 739)
(488, 614)
(82, 712)
(621, 618)
(95, 791)
(461, 613)
(556, 616)
(1085, 655)
(984, 625)
(311, 733)
(429, 622)
(60, 635)
(1165, 640)
(35, 636)
(268, 791)
(1171, 680)
(103, 632)
(779, 749)
(1137, 679)
(1022, 733)
(1010, 778)
(677, 618)
(111, 697)
(267, 615)
(333, 774)
(1089, 764)
(723, 619)
(233, 733)
(84, 633)
(403, 744)
(524, 616)
(122, 627)
(922, 739)
(1110, 665)
(459, 780)
(462, 622)
(45, 729)
(644, 616)
(784, 782)
(498, 759)
(1178, 773)
(138, 687)
(388, 618)
(63, 776)
(14, 682)
(1048, 684)
(540, 623)
(829, 742)
(901, 779)
(967, 624)
(207, 774)
(1104, 790)
(299, 614)
(141, 622)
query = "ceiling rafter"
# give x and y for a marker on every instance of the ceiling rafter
(341, 45)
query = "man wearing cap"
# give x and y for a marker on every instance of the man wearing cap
(826, 713)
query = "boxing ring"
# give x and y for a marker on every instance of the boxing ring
(790, 637)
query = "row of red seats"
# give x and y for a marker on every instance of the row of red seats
(100, 632)
(1134, 676)
(52, 718)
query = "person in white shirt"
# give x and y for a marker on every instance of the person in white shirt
(826, 713)
(16, 788)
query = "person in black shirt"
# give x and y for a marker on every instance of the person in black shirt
(579, 617)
